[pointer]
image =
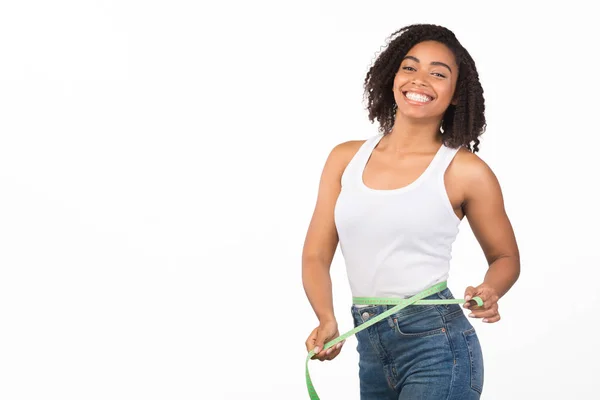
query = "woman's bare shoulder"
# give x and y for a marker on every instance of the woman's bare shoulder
(472, 172)
(471, 165)
(339, 157)
(343, 152)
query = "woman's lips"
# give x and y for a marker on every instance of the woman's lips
(416, 98)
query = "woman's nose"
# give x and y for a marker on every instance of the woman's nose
(418, 81)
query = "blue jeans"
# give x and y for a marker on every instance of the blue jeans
(423, 352)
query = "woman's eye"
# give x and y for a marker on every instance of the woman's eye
(439, 75)
(408, 68)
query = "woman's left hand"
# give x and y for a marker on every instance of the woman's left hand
(489, 310)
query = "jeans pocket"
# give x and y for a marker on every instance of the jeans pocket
(418, 324)
(445, 294)
(476, 358)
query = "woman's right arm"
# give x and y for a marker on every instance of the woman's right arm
(321, 242)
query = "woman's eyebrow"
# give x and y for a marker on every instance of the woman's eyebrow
(432, 63)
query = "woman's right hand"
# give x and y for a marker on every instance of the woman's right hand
(324, 333)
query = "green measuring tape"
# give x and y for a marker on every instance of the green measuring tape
(400, 304)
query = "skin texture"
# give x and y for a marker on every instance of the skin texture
(438, 80)
(401, 157)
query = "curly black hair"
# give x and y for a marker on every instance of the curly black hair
(462, 123)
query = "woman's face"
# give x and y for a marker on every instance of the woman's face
(425, 82)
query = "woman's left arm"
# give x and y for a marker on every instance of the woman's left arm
(484, 208)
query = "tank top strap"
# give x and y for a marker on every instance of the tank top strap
(359, 160)
(446, 158)
(368, 146)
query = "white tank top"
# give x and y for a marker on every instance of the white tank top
(395, 243)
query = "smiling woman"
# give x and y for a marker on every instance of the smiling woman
(434, 63)
(425, 80)
(394, 202)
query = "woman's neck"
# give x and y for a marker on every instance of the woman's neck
(408, 135)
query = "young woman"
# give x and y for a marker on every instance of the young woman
(394, 203)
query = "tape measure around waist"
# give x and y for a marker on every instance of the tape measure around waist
(399, 304)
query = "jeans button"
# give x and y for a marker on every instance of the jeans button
(365, 316)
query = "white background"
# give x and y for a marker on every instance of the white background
(159, 163)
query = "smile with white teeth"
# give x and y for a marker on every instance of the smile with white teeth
(421, 98)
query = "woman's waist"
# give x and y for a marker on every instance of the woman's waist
(402, 284)
(360, 310)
